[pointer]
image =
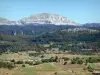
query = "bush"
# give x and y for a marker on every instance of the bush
(29, 62)
(90, 68)
(65, 58)
(52, 59)
(76, 61)
(65, 63)
(23, 65)
(56, 59)
(45, 60)
(92, 60)
(80, 62)
(34, 54)
(42, 56)
(73, 61)
(6, 65)
(13, 60)
(19, 62)
(37, 63)
(55, 73)
(10, 66)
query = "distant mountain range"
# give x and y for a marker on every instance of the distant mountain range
(4, 21)
(43, 18)
(92, 25)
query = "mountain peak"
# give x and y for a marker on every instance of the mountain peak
(45, 13)
(46, 18)
(43, 18)
(3, 19)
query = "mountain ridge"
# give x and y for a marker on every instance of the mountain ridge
(43, 18)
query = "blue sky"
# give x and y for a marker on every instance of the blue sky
(81, 11)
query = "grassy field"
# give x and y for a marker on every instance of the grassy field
(95, 66)
(46, 68)
(41, 67)
(25, 56)
(16, 56)
(70, 55)
(38, 69)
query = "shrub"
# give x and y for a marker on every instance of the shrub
(56, 58)
(77, 61)
(65, 58)
(23, 65)
(55, 73)
(92, 60)
(6, 65)
(65, 63)
(45, 60)
(80, 61)
(73, 61)
(37, 63)
(19, 62)
(10, 66)
(34, 54)
(13, 60)
(29, 62)
(42, 56)
(52, 59)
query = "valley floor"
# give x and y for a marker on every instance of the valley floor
(51, 68)
(47, 69)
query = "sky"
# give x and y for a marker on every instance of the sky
(80, 11)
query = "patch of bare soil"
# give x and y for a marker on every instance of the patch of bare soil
(4, 71)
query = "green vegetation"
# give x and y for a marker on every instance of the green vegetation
(19, 62)
(23, 65)
(80, 42)
(77, 61)
(6, 65)
(50, 50)
(94, 66)
(41, 67)
(92, 60)
(52, 59)
(65, 63)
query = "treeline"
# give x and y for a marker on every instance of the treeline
(19, 47)
(78, 60)
(64, 40)
(52, 59)
(6, 65)
(65, 36)
(31, 29)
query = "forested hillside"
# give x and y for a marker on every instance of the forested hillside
(16, 38)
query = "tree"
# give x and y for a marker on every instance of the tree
(56, 59)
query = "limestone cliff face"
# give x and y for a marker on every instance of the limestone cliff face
(43, 18)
